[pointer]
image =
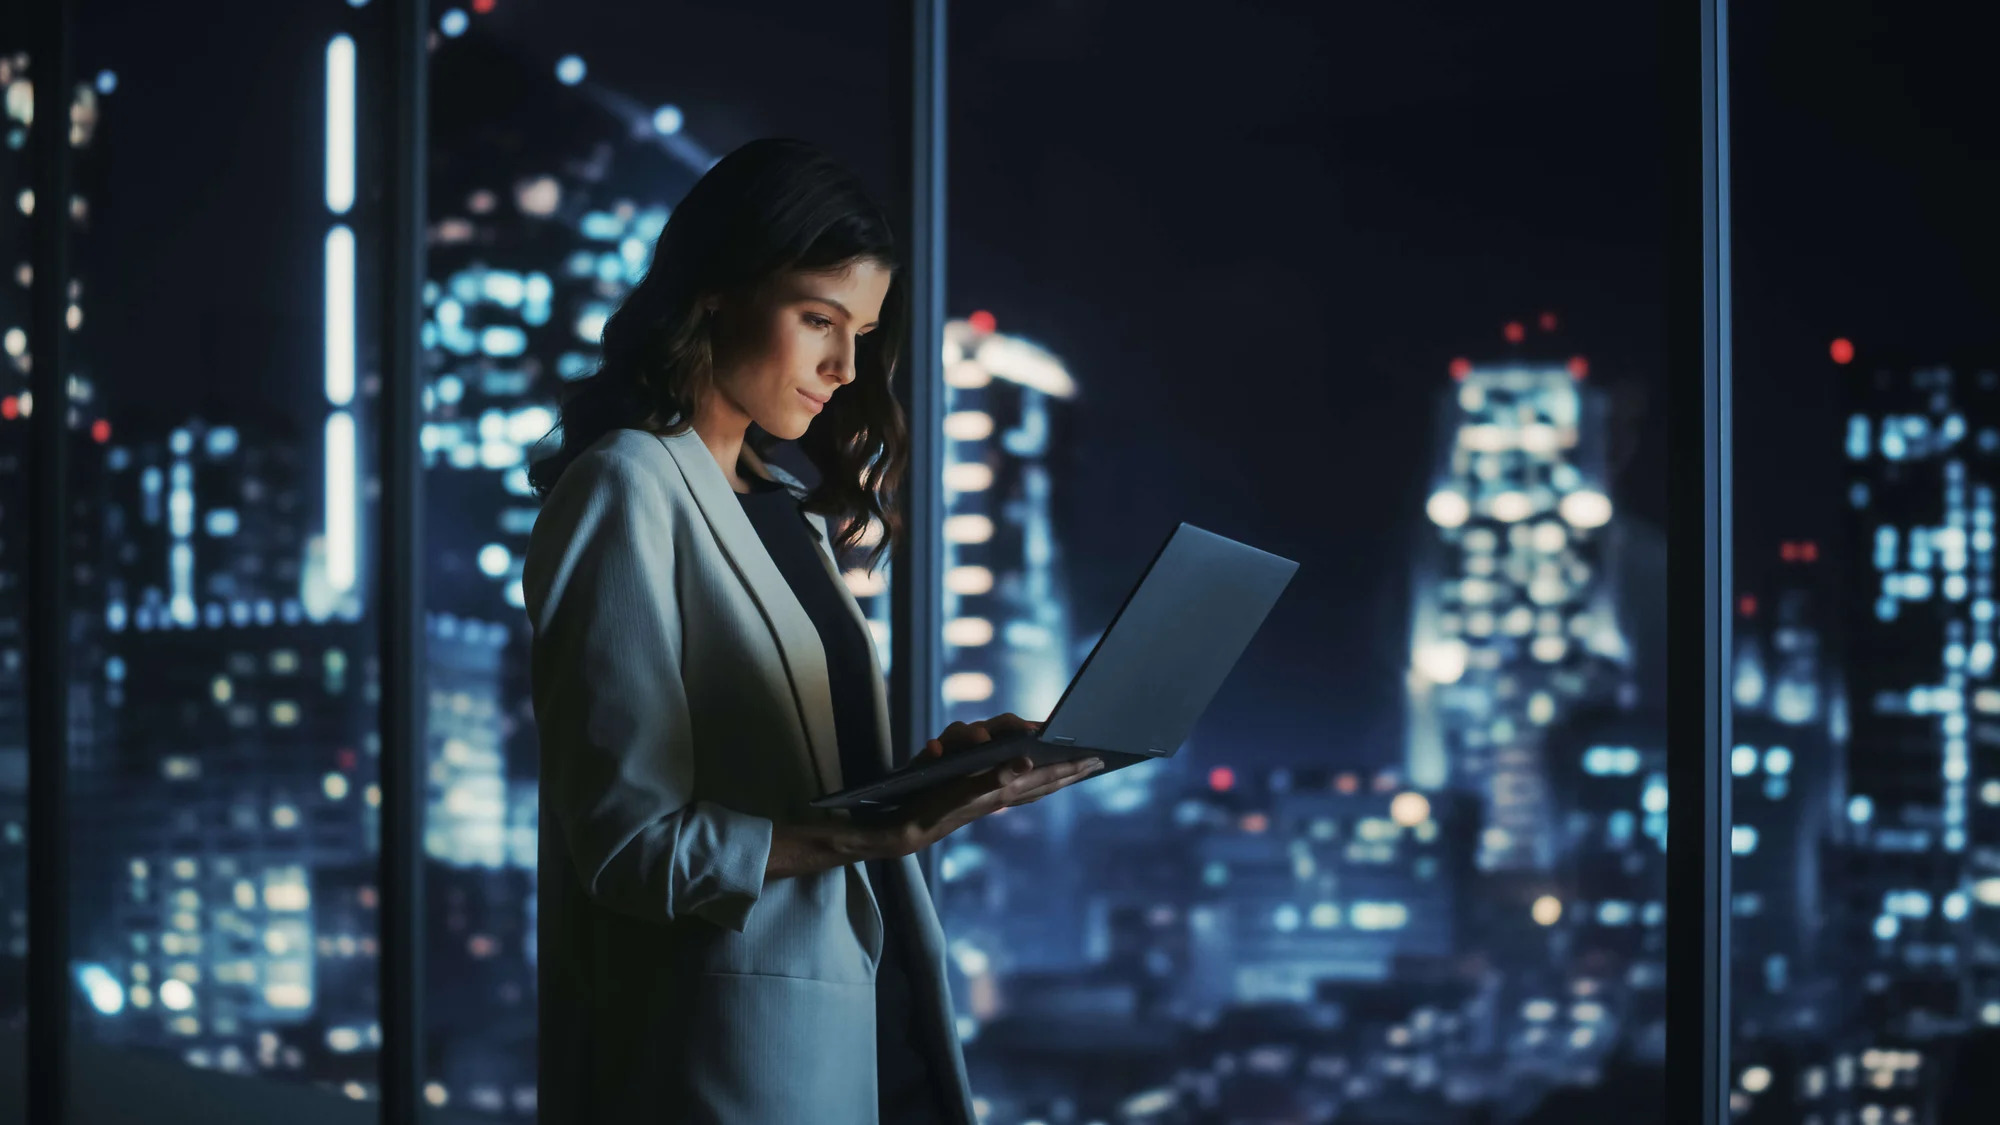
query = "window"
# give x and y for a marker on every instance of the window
(1290, 278)
(1378, 292)
(224, 785)
(1866, 448)
(561, 139)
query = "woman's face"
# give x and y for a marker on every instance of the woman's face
(781, 357)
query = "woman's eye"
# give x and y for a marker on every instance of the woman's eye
(819, 322)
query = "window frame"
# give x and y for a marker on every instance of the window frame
(1700, 535)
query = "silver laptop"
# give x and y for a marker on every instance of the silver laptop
(1149, 678)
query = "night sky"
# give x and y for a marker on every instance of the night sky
(1257, 235)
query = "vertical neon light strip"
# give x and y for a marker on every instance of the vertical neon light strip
(341, 516)
(340, 316)
(340, 124)
(342, 484)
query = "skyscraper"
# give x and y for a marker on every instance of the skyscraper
(1512, 619)
(1920, 878)
(545, 204)
(1005, 606)
(226, 912)
(18, 352)
(1006, 620)
(1787, 791)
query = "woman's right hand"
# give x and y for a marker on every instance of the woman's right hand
(939, 812)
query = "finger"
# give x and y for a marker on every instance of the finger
(952, 737)
(1013, 771)
(1048, 779)
(1057, 770)
(1030, 796)
(1023, 726)
(982, 804)
(934, 748)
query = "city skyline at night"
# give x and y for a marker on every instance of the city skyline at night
(1384, 300)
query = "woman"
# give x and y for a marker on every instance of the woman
(713, 949)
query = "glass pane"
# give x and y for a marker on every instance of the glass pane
(225, 797)
(16, 178)
(561, 139)
(1867, 793)
(1397, 318)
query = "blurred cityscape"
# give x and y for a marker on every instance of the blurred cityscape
(1468, 938)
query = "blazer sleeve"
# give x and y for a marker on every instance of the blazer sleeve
(611, 707)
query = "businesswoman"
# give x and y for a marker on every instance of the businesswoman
(713, 949)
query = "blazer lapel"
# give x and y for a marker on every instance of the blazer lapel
(798, 641)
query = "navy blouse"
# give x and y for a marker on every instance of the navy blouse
(905, 1063)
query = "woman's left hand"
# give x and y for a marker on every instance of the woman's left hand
(961, 736)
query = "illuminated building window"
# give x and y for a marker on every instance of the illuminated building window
(968, 425)
(966, 374)
(1448, 509)
(863, 583)
(967, 687)
(968, 632)
(1508, 507)
(1547, 910)
(1378, 915)
(968, 476)
(968, 529)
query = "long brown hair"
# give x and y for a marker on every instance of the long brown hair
(770, 207)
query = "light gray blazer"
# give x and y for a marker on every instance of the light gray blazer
(682, 698)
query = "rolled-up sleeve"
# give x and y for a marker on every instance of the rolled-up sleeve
(611, 708)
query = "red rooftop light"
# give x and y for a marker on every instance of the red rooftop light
(1579, 367)
(1460, 368)
(1514, 332)
(1548, 322)
(982, 321)
(1842, 350)
(1747, 606)
(1222, 779)
(10, 408)
(482, 6)
(100, 431)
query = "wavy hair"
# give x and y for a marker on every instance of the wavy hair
(770, 207)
